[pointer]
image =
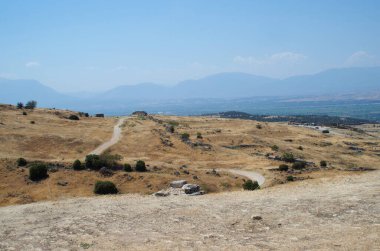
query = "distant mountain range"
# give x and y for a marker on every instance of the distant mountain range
(343, 81)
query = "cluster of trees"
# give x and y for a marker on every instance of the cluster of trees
(29, 105)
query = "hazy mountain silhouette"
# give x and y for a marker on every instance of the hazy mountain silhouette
(223, 85)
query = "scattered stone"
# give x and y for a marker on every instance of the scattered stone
(105, 172)
(62, 183)
(191, 188)
(197, 193)
(178, 183)
(256, 217)
(195, 177)
(176, 173)
(162, 193)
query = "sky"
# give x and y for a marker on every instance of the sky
(94, 45)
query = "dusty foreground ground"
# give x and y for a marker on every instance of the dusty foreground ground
(340, 213)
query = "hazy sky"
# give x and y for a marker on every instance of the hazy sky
(98, 44)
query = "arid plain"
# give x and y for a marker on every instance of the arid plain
(320, 194)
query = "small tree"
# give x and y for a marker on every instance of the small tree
(140, 166)
(31, 104)
(299, 165)
(290, 178)
(38, 172)
(21, 162)
(323, 163)
(199, 135)
(251, 185)
(274, 148)
(20, 105)
(127, 167)
(105, 187)
(77, 165)
(185, 136)
(283, 167)
(288, 157)
(73, 117)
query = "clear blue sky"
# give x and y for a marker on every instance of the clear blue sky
(98, 44)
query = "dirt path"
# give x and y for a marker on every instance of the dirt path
(115, 138)
(249, 174)
(341, 213)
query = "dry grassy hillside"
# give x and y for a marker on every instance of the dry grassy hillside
(52, 136)
(214, 143)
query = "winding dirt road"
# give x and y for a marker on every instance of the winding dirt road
(116, 136)
(249, 174)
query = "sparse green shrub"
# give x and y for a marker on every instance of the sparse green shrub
(20, 105)
(258, 126)
(38, 172)
(24, 113)
(199, 135)
(323, 163)
(300, 148)
(173, 123)
(95, 162)
(140, 166)
(31, 104)
(77, 165)
(290, 178)
(105, 187)
(288, 157)
(32, 122)
(299, 165)
(127, 167)
(275, 148)
(73, 117)
(251, 185)
(185, 136)
(283, 167)
(21, 162)
(325, 131)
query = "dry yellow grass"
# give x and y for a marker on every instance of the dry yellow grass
(53, 138)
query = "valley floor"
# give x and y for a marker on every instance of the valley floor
(334, 213)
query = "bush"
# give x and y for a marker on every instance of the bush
(299, 165)
(20, 105)
(31, 104)
(199, 135)
(283, 167)
(325, 131)
(290, 178)
(185, 136)
(32, 122)
(300, 148)
(24, 113)
(258, 126)
(140, 166)
(171, 129)
(21, 162)
(323, 163)
(127, 167)
(288, 157)
(251, 185)
(95, 162)
(275, 148)
(73, 117)
(38, 172)
(105, 187)
(77, 165)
